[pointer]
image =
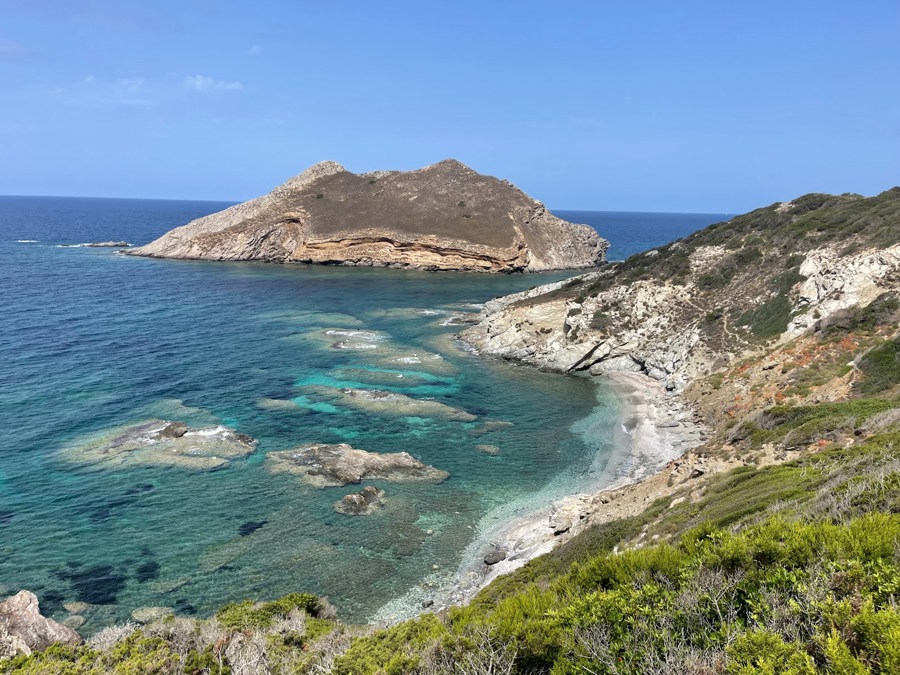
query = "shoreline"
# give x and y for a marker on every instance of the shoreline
(653, 429)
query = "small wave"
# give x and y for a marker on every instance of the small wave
(28, 241)
(344, 344)
(211, 432)
(356, 334)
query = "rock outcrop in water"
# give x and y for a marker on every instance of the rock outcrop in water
(341, 464)
(164, 443)
(443, 217)
(363, 503)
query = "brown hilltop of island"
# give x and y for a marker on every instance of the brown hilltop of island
(442, 217)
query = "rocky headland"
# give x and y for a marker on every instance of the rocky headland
(442, 217)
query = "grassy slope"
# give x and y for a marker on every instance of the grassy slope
(787, 568)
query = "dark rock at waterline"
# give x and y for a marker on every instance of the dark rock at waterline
(172, 430)
(494, 556)
(25, 630)
(250, 527)
(362, 503)
(147, 571)
(108, 244)
(97, 585)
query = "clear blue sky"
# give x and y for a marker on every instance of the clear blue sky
(658, 105)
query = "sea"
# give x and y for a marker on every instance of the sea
(92, 341)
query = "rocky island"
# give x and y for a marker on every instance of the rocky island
(442, 217)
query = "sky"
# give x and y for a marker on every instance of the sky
(635, 106)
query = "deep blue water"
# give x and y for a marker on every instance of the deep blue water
(91, 340)
(633, 232)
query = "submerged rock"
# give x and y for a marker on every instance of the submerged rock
(442, 217)
(392, 403)
(363, 503)
(278, 404)
(341, 464)
(23, 629)
(251, 526)
(160, 442)
(151, 614)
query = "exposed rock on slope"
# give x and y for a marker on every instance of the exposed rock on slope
(443, 217)
(23, 629)
(692, 307)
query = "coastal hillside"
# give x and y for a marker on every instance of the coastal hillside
(692, 307)
(772, 546)
(442, 217)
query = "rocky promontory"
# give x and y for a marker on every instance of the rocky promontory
(442, 217)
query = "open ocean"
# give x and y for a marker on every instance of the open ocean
(91, 340)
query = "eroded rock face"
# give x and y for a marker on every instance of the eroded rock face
(164, 443)
(662, 329)
(24, 630)
(443, 217)
(341, 464)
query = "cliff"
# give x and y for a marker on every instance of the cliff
(442, 217)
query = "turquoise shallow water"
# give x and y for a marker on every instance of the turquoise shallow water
(90, 340)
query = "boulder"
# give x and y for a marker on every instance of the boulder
(23, 629)
(494, 556)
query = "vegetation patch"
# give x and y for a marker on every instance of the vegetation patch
(880, 368)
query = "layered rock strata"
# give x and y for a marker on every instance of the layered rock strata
(443, 217)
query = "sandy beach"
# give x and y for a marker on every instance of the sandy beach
(655, 428)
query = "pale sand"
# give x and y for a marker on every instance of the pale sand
(656, 427)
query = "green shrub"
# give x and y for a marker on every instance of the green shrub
(249, 614)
